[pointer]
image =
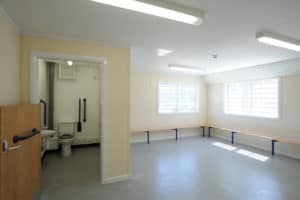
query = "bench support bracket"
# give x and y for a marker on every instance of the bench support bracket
(203, 131)
(273, 147)
(148, 137)
(232, 137)
(209, 131)
(176, 133)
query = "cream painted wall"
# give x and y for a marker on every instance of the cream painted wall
(144, 106)
(287, 126)
(116, 150)
(9, 61)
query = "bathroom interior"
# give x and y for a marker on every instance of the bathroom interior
(70, 94)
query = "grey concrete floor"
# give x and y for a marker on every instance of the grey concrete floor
(190, 169)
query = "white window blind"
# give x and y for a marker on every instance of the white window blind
(177, 98)
(259, 98)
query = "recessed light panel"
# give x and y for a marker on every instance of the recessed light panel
(163, 52)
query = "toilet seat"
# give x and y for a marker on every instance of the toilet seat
(65, 136)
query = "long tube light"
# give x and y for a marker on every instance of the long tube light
(278, 41)
(156, 10)
(182, 68)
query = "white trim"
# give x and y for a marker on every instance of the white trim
(116, 179)
(12, 22)
(103, 148)
(34, 92)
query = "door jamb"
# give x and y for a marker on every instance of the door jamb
(34, 92)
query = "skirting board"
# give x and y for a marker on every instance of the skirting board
(116, 179)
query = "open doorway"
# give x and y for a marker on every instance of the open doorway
(71, 93)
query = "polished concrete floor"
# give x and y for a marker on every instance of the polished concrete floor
(190, 169)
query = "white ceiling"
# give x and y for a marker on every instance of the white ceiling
(228, 30)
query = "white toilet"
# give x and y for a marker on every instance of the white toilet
(66, 138)
(66, 141)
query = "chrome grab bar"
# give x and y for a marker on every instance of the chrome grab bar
(34, 132)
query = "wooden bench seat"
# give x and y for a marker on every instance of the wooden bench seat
(244, 133)
(233, 132)
(148, 131)
(272, 139)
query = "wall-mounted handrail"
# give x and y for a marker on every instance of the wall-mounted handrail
(33, 133)
(45, 111)
(84, 109)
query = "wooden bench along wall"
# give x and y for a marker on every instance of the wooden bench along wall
(273, 140)
(148, 131)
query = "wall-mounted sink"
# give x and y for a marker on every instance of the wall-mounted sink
(48, 133)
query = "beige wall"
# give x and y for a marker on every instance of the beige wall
(144, 104)
(9, 61)
(287, 126)
(117, 155)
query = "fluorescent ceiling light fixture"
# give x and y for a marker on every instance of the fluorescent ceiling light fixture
(253, 155)
(163, 52)
(69, 63)
(224, 146)
(278, 41)
(151, 9)
(182, 68)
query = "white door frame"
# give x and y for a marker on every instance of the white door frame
(35, 92)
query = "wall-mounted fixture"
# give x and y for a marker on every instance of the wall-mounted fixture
(66, 72)
(44, 111)
(163, 52)
(278, 41)
(215, 56)
(70, 63)
(158, 8)
(182, 68)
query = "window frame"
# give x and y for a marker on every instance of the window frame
(178, 84)
(279, 102)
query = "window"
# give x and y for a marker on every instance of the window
(258, 98)
(177, 98)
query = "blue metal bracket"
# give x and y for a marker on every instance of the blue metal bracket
(203, 131)
(176, 133)
(232, 137)
(273, 147)
(209, 131)
(148, 137)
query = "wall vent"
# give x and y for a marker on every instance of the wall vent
(66, 72)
